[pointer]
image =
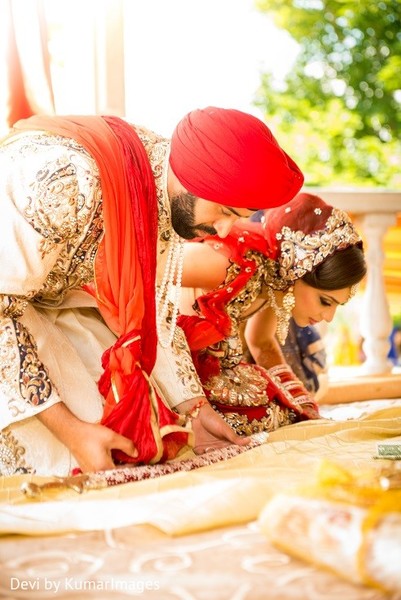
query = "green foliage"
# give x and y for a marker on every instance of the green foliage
(338, 112)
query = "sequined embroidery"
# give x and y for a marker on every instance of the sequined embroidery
(275, 417)
(23, 378)
(230, 349)
(158, 149)
(77, 223)
(185, 370)
(301, 253)
(242, 386)
(12, 455)
(12, 306)
(35, 385)
(65, 208)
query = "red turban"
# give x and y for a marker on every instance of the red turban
(232, 158)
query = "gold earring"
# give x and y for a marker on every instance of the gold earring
(353, 290)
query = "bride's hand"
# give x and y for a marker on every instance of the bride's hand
(210, 429)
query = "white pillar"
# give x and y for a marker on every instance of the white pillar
(376, 210)
(375, 319)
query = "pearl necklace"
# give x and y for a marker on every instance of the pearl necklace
(170, 291)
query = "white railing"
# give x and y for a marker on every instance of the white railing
(374, 211)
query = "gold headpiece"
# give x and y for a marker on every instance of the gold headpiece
(301, 252)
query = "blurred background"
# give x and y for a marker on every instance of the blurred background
(323, 74)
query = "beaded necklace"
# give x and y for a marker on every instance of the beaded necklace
(168, 295)
(169, 291)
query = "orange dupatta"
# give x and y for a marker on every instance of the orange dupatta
(125, 274)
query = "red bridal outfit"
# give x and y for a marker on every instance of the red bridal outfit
(292, 240)
(249, 397)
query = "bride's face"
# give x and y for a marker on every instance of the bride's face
(313, 305)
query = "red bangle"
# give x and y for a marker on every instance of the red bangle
(194, 412)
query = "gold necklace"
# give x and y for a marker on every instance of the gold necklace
(283, 313)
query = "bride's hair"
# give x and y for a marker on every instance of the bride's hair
(340, 270)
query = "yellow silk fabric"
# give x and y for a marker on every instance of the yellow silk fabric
(230, 492)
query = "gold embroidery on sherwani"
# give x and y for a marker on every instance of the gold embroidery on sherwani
(65, 208)
(12, 306)
(9, 365)
(23, 375)
(73, 271)
(158, 150)
(11, 455)
(34, 382)
(184, 366)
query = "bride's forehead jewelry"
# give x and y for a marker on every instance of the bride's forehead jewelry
(301, 252)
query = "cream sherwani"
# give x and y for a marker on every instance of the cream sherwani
(51, 333)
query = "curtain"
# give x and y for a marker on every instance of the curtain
(25, 79)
